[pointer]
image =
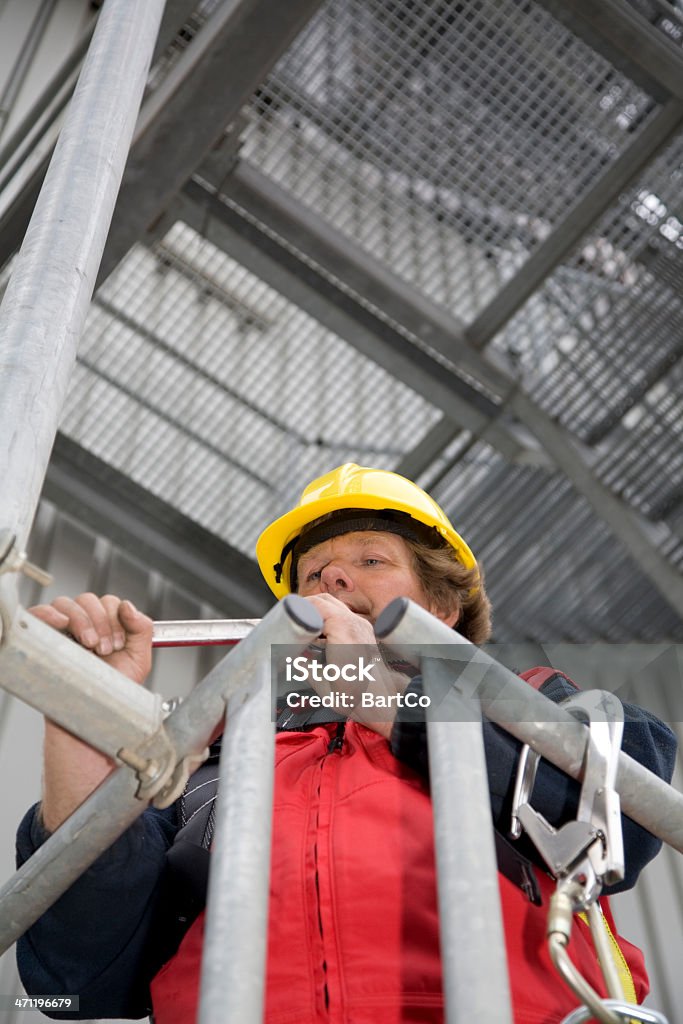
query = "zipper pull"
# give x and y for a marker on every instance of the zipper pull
(337, 740)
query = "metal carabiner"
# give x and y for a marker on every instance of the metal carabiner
(524, 785)
(599, 802)
(590, 848)
(628, 1011)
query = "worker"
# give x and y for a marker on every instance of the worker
(353, 923)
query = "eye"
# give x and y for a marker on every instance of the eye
(311, 577)
(372, 561)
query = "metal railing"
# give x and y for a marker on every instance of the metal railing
(461, 681)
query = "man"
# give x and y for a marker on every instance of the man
(353, 927)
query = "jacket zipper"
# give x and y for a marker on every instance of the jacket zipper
(334, 747)
(337, 740)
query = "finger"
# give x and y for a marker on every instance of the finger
(135, 622)
(138, 634)
(80, 624)
(328, 605)
(49, 614)
(101, 620)
(127, 622)
(111, 604)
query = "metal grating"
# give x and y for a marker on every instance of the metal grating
(599, 346)
(215, 393)
(446, 138)
(553, 570)
(448, 141)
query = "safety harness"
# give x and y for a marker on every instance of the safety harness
(521, 882)
(582, 856)
(188, 858)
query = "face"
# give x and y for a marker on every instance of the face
(365, 570)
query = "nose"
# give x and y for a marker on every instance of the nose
(334, 577)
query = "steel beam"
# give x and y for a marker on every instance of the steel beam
(258, 201)
(570, 230)
(628, 40)
(269, 232)
(310, 264)
(26, 154)
(631, 529)
(181, 121)
(414, 462)
(578, 220)
(154, 532)
(176, 14)
(25, 56)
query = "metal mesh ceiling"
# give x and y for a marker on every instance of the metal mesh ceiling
(605, 330)
(215, 393)
(448, 144)
(445, 138)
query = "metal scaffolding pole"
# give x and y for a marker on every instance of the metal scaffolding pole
(24, 59)
(234, 962)
(526, 714)
(476, 984)
(463, 682)
(288, 627)
(47, 299)
(75, 689)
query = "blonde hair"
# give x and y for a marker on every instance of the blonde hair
(449, 585)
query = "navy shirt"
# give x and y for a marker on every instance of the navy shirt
(106, 938)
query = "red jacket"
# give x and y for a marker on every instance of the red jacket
(353, 934)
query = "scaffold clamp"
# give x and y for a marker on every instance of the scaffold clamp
(161, 776)
(14, 560)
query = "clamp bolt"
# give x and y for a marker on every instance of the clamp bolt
(12, 560)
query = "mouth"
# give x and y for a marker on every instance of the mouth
(361, 614)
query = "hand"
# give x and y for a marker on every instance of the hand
(341, 627)
(122, 636)
(112, 629)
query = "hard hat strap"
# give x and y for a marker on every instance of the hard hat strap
(353, 520)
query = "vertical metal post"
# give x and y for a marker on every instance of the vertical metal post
(24, 59)
(528, 715)
(470, 920)
(47, 299)
(234, 961)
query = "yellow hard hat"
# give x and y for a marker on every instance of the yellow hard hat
(355, 489)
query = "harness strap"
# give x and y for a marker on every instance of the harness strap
(188, 859)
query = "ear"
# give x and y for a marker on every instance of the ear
(450, 618)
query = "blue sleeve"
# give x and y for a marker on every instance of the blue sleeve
(556, 795)
(94, 941)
